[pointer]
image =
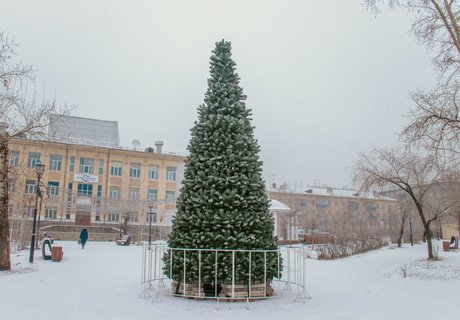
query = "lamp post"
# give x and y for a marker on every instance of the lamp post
(151, 217)
(40, 210)
(38, 217)
(39, 169)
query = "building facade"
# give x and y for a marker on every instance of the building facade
(336, 211)
(90, 185)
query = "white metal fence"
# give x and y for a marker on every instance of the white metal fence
(291, 272)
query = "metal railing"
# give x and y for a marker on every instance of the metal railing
(290, 271)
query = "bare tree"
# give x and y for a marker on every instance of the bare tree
(414, 174)
(434, 122)
(25, 117)
(435, 25)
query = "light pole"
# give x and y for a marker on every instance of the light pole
(39, 169)
(151, 217)
(38, 218)
(39, 211)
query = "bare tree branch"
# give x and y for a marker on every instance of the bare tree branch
(25, 116)
(435, 120)
(435, 25)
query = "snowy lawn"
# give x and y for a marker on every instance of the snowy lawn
(103, 282)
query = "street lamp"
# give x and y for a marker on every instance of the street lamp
(152, 216)
(40, 210)
(39, 169)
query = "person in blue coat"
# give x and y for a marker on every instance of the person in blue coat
(83, 237)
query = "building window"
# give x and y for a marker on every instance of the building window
(152, 194)
(321, 203)
(113, 217)
(84, 190)
(72, 164)
(31, 187)
(116, 168)
(133, 194)
(353, 205)
(168, 216)
(115, 193)
(53, 188)
(86, 165)
(51, 213)
(34, 159)
(153, 172)
(132, 217)
(101, 167)
(170, 196)
(69, 201)
(11, 185)
(371, 207)
(13, 158)
(135, 170)
(171, 173)
(152, 217)
(55, 162)
(30, 212)
(98, 203)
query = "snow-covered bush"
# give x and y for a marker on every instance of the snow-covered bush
(341, 248)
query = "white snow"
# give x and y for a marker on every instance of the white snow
(103, 282)
(276, 205)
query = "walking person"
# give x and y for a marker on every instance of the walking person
(83, 237)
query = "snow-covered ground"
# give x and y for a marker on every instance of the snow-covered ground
(103, 282)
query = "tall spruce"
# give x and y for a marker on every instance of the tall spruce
(223, 203)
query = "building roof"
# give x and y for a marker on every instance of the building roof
(342, 192)
(78, 130)
(276, 205)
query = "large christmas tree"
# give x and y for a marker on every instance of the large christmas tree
(223, 203)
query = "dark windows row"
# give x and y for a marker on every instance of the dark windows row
(86, 190)
(88, 165)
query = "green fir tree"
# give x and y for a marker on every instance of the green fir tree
(223, 202)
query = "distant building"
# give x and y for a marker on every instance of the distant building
(335, 211)
(86, 131)
(441, 198)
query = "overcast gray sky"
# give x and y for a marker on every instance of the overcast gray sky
(325, 79)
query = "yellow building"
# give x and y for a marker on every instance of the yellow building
(91, 185)
(336, 211)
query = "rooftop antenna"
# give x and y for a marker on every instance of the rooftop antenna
(136, 143)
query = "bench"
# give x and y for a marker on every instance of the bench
(124, 241)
